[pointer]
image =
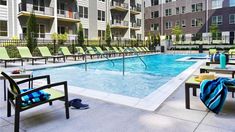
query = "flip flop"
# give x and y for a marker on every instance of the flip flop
(77, 104)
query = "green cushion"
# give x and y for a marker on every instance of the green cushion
(45, 52)
(80, 50)
(24, 52)
(65, 51)
(99, 50)
(3, 53)
(116, 50)
(91, 51)
(212, 51)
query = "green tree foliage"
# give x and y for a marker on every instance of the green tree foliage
(31, 32)
(108, 35)
(177, 31)
(80, 35)
(214, 30)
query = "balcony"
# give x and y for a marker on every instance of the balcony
(135, 26)
(26, 9)
(135, 10)
(68, 16)
(120, 24)
(118, 6)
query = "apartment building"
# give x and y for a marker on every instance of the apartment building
(63, 16)
(194, 16)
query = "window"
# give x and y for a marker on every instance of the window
(101, 34)
(138, 36)
(38, 5)
(155, 14)
(232, 3)
(40, 31)
(83, 12)
(168, 25)
(217, 20)
(232, 19)
(168, 12)
(101, 15)
(196, 22)
(3, 2)
(85, 33)
(177, 10)
(183, 23)
(167, 1)
(177, 23)
(183, 9)
(138, 22)
(3, 28)
(155, 27)
(217, 4)
(154, 2)
(61, 29)
(197, 7)
(61, 8)
(102, 0)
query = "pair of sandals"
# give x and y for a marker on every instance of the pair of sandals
(77, 104)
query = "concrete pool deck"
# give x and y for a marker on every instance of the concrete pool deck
(106, 117)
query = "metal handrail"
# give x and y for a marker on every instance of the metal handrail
(108, 59)
(85, 59)
(142, 60)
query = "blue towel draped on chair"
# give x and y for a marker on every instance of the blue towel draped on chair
(33, 97)
(214, 92)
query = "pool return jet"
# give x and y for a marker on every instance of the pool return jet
(123, 60)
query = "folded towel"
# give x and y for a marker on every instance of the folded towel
(214, 92)
(33, 97)
(205, 76)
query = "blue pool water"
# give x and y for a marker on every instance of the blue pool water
(137, 82)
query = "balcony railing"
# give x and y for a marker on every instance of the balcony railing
(135, 25)
(116, 22)
(68, 14)
(36, 9)
(136, 8)
(119, 4)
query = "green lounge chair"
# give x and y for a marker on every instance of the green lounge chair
(121, 49)
(45, 52)
(212, 51)
(14, 98)
(116, 51)
(5, 57)
(111, 52)
(91, 52)
(80, 50)
(231, 52)
(147, 49)
(143, 49)
(136, 49)
(65, 51)
(26, 54)
(140, 49)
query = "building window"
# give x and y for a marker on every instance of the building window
(3, 28)
(83, 12)
(217, 20)
(101, 34)
(138, 22)
(167, 1)
(101, 15)
(177, 23)
(197, 7)
(41, 29)
(155, 27)
(168, 12)
(155, 14)
(183, 9)
(183, 23)
(232, 19)
(3, 2)
(85, 33)
(138, 36)
(217, 4)
(168, 25)
(154, 2)
(39, 5)
(232, 3)
(177, 10)
(61, 29)
(196, 22)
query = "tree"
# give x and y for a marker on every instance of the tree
(214, 31)
(108, 35)
(80, 35)
(31, 32)
(177, 31)
(158, 39)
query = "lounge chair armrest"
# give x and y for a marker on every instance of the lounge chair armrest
(45, 87)
(35, 78)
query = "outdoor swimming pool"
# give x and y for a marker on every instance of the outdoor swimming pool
(138, 81)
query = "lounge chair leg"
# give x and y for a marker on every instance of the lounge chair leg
(32, 61)
(22, 62)
(5, 64)
(17, 120)
(67, 108)
(8, 106)
(50, 103)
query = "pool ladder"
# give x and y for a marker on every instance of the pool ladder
(101, 55)
(123, 61)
